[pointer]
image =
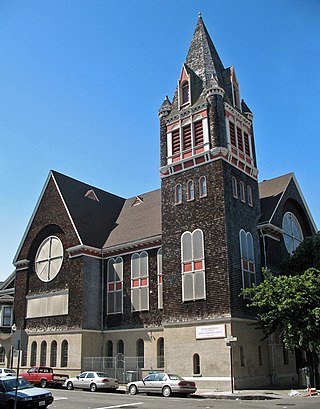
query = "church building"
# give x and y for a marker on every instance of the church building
(153, 282)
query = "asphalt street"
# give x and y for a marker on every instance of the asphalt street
(78, 399)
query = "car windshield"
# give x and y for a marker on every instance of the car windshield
(10, 384)
(102, 375)
(9, 371)
(174, 377)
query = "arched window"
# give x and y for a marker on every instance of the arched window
(2, 355)
(190, 190)
(53, 354)
(115, 285)
(120, 347)
(140, 353)
(184, 92)
(249, 195)
(43, 353)
(33, 355)
(109, 354)
(193, 266)
(159, 279)
(140, 281)
(196, 364)
(203, 186)
(178, 194)
(247, 259)
(160, 353)
(292, 232)
(234, 187)
(24, 358)
(64, 353)
(242, 192)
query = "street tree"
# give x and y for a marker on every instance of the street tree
(290, 306)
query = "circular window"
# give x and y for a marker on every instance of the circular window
(292, 233)
(49, 258)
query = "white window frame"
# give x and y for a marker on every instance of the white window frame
(140, 281)
(178, 194)
(234, 187)
(115, 286)
(203, 192)
(193, 266)
(248, 267)
(3, 316)
(159, 279)
(190, 191)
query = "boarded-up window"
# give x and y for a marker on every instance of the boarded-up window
(139, 282)
(239, 138)
(198, 133)
(193, 268)
(186, 137)
(115, 285)
(175, 141)
(232, 134)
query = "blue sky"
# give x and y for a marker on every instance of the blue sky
(81, 82)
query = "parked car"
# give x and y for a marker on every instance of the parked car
(28, 397)
(44, 376)
(7, 371)
(93, 381)
(162, 383)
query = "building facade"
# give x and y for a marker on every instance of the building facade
(153, 282)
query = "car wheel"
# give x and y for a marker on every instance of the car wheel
(69, 386)
(93, 387)
(10, 405)
(43, 383)
(166, 391)
(133, 390)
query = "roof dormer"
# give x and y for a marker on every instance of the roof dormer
(235, 88)
(184, 88)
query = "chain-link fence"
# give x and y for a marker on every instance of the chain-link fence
(125, 369)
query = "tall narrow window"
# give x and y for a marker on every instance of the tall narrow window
(186, 138)
(260, 355)
(196, 364)
(139, 282)
(115, 285)
(159, 279)
(178, 194)
(185, 92)
(43, 353)
(202, 186)
(53, 354)
(190, 190)
(193, 268)
(120, 347)
(249, 195)
(246, 143)
(33, 355)
(175, 141)
(140, 353)
(198, 133)
(232, 134)
(24, 358)
(247, 259)
(234, 187)
(160, 353)
(239, 138)
(285, 354)
(242, 192)
(6, 316)
(2, 355)
(109, 353)
(64, 354)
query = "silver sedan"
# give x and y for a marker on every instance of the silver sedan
(92, 381)
(162, 383)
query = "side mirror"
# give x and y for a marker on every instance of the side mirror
(77, 376)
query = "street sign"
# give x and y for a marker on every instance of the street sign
(19, 339)
(231, 338)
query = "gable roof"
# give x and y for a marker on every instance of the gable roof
(271, 192)
(137, 222)
(91, 219)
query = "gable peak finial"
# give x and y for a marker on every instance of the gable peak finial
(199, 14)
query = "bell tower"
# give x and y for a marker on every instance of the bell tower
(209, 189)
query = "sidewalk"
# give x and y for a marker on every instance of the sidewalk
(257, 394)
(254, 394)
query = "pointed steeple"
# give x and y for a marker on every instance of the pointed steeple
(165, 107)
(203, 58)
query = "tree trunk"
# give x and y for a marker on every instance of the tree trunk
(315, 364)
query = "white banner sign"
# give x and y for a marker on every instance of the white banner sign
(211, 331)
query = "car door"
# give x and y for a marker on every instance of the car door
(159, 382)
(78, 382)
(88, 379)
(147, 383)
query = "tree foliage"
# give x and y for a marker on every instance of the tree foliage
(290, 305)
(307, 255)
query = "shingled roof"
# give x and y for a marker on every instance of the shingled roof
(92, 210)
(139, 220)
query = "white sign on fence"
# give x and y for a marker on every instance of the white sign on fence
(211, 331)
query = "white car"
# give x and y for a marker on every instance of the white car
(7, 372)
(93, 381)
